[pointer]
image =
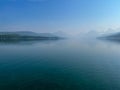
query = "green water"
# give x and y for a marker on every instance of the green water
(60, 65)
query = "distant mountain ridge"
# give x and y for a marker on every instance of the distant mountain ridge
(26, 35)
(115, 36)
(29, 33)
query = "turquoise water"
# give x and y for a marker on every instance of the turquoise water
(60, 65)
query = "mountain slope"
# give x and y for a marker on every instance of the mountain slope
(25, 35)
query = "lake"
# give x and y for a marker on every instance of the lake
(71, 64)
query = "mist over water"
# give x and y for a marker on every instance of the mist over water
(59, 45)
(69, 64)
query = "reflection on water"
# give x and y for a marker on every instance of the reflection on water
(27, 42)
(111, 40)
(60, 65)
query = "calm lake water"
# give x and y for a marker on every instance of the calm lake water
(60, 65)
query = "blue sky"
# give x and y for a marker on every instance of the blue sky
(72, 16)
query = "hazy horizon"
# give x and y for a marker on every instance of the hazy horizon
(59, 44)
(69, 16)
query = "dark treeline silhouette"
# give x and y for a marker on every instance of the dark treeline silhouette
(17, 37)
